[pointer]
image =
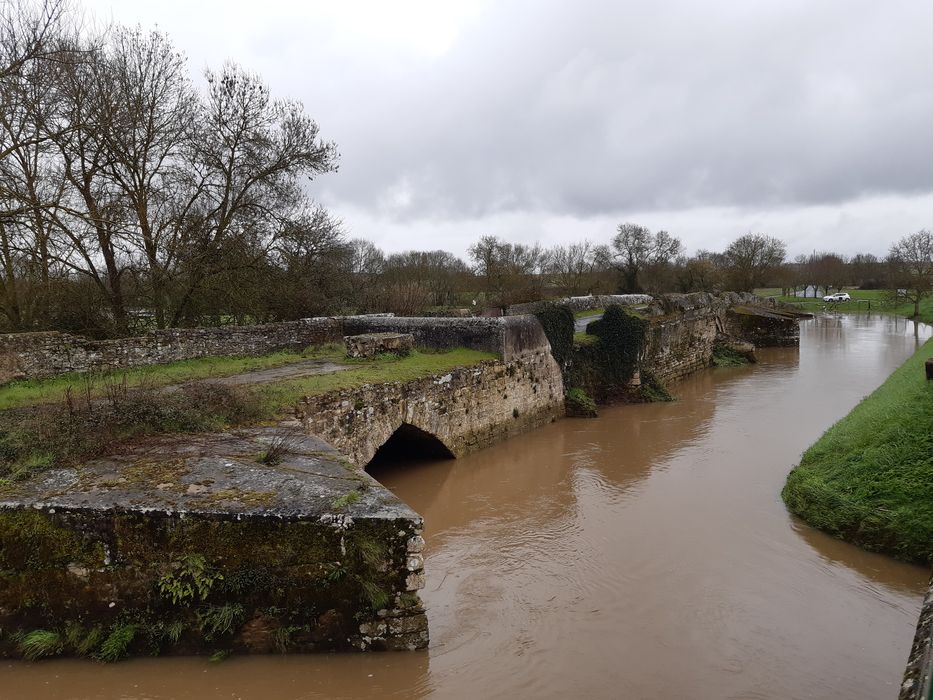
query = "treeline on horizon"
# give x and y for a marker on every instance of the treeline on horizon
(131, 199)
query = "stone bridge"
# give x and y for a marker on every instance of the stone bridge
(453, 414)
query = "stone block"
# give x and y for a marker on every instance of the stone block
(371, 344)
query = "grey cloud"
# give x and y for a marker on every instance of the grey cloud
(594, 107)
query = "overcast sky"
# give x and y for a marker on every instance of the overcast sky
(555, 121)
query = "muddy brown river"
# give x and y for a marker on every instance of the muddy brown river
(643, 554)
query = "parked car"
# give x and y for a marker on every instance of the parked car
(838, 296)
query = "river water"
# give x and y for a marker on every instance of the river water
(643, 554)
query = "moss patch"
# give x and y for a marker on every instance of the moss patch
(579, 403)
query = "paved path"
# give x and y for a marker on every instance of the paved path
(305, 368)
(580, 324)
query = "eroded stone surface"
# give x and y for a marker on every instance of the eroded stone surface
(299, 549)
(465, 409)
(372, 344)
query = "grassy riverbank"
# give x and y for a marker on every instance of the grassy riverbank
(869, 478)
(863, 300)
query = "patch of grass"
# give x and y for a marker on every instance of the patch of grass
(347, 499)
(863, 300)
(727, 357)
(40, 643)
(584, 338)
(117, 643)
(287, 393)
(76, 430)
(281, 445)
(652, 389)
(869, 478)
(587, 313)
(578, 403)
(98, 385)
(218, 620)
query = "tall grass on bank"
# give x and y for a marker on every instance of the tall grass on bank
(869, 478)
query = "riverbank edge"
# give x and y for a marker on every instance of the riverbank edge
(868, 479)
(918, 676)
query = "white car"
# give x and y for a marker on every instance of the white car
(838, 296)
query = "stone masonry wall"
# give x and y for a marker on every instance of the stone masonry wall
(597, 301)
(48, 354)
(195, 544)
(466, 409)
(37, 355)
(507, 337)
(685, 327)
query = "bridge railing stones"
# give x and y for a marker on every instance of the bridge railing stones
(48, 354)
(372, 344)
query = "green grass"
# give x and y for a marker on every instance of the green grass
(879, 302)
(45, 435)
(584, 338)
(388, 368)
(586, 313)
(36, 391)
(869, 478)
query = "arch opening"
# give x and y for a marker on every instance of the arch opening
(408, 445)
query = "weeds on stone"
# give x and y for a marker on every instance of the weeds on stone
(282, 638)
(81, 427)
(117, 643)
(192, 580)
(344, 501)
(218, 620)
(284, 442)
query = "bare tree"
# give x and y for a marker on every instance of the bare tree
(250, 152)
(637, 248)
(750, 259)
(911, 263)
(367, 263)
(827, 270)
(512, 271)
(572, 266)
(145, 128)
(700, 273)
(866, 271)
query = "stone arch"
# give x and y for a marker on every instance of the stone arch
(408, 439)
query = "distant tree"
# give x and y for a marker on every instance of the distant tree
(827, 270)
(866, 271)
(637, 248)
(511, 271)
(571, 266)
(911, 263)
(750, 259)
(367, 263)
(699, 273)
(415, 280)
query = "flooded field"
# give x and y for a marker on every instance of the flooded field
(642, 554)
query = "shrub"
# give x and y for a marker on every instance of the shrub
(557, 321)
(622, 337)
